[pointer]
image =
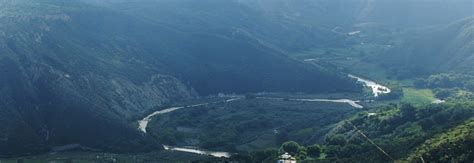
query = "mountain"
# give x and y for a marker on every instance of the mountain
(392, 133)
(224, 24)
(453, 145)
(76, 74)
(438, 49)
(345, 13)
(62, 86)
(227, 18)
(404, 132)
(436, 35)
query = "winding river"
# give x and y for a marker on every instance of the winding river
(197, 151)
(377, 89)
(143, 123)
(353, 103)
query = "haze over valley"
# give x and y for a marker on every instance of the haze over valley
(236, 80)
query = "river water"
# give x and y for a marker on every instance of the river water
(347, 101)
(377, 89)
(197, 151)
(143, 123)
(353, 103)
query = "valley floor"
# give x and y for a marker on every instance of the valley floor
(403, 119)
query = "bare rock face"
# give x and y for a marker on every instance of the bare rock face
(76, 75)
(44, 107)
(56, 89)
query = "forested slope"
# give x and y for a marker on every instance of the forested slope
(438, 49)
(74, 73)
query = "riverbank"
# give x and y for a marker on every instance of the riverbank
(376, 88)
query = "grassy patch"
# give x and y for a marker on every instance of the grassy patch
(418, 96)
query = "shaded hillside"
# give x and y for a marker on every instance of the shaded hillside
(345, 13)
(229, 43)
(62, 87)
(439, 49)
(413, 13)
(79, 74)
(229, 18)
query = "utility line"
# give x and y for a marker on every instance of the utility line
(422, 160)
(370, 141)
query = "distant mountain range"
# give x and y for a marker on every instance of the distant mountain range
(446, 48)
(81, 72)
(74, 73)
(395, 13)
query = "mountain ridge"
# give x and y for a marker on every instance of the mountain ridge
(75, 69)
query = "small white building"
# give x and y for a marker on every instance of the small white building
(286, 158)
(371, 114)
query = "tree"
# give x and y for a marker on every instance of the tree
(282, 136)
(337, 139)
(268, 155)
(470, 85)
(291, 147)
(408, 111)
(420, 83)
(302, 154)
(314, 151)
(444, 93)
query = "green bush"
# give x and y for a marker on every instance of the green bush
(291, 147)
(314, 151)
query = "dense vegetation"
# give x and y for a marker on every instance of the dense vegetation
(88, 157)
(447, 85)
(77, 75)
(433, 50)
(70, 68)
(312, 153)
(399, 130)
(438, 133)
(454, 145)
(247, 125)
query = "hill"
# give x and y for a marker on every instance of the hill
(343, 13)
(453, 145)
(438, 49)
(403, 131)
(77, 75)
(393, 133)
